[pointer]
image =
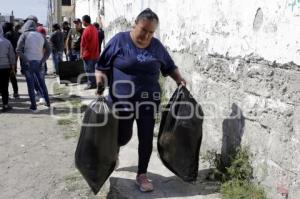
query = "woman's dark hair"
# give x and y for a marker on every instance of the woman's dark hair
(86, 18)
(148, 14)
(56, 26)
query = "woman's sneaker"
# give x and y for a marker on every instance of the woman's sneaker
(144, 183)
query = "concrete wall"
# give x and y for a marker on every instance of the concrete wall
(225, 27)
(241, 60)
(87, 7)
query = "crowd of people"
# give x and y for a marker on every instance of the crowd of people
(29, 43)
(133, 56)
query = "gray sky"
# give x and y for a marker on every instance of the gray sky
(23, 8)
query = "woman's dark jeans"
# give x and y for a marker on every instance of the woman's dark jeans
(145, 128)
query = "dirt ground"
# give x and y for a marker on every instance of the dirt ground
(37, 155)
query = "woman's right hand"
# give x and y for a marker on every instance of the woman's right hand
(100, 79)
(100, 89)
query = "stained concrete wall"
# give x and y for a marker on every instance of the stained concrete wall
(269, 28)
(241, 61)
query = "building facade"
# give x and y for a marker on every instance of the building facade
(60, 11)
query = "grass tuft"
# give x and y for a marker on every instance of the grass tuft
(236, 179)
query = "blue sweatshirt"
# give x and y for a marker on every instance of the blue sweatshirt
(128, 63)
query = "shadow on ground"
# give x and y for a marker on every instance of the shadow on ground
(21, 106)
(165, 187)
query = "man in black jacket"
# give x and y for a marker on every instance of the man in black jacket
(101, 35)
(57, 45)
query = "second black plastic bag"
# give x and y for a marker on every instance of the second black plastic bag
(180, 135)
(97, 148)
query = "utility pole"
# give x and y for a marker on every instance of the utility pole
(58, 11)
(103, 8)
(89, 8)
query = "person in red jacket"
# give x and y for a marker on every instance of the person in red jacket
(89, 51)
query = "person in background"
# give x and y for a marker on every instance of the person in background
(44, 68)
(32, 18)
(13, 37)
(66, 28)
(33, 50)
(41, 30)
(89, 51)
(73, 41)
(101, 35)
(7, 66)
(29, 18)
(43, 72)
(137, 58)
(57, 46)
(18, 29)
(10, 34)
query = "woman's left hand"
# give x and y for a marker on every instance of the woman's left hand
(176, 76)
(182, 82)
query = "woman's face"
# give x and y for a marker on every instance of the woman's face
(144, 30)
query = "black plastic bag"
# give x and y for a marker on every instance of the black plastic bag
(97, 148)
(71, 71)
(180, 135)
